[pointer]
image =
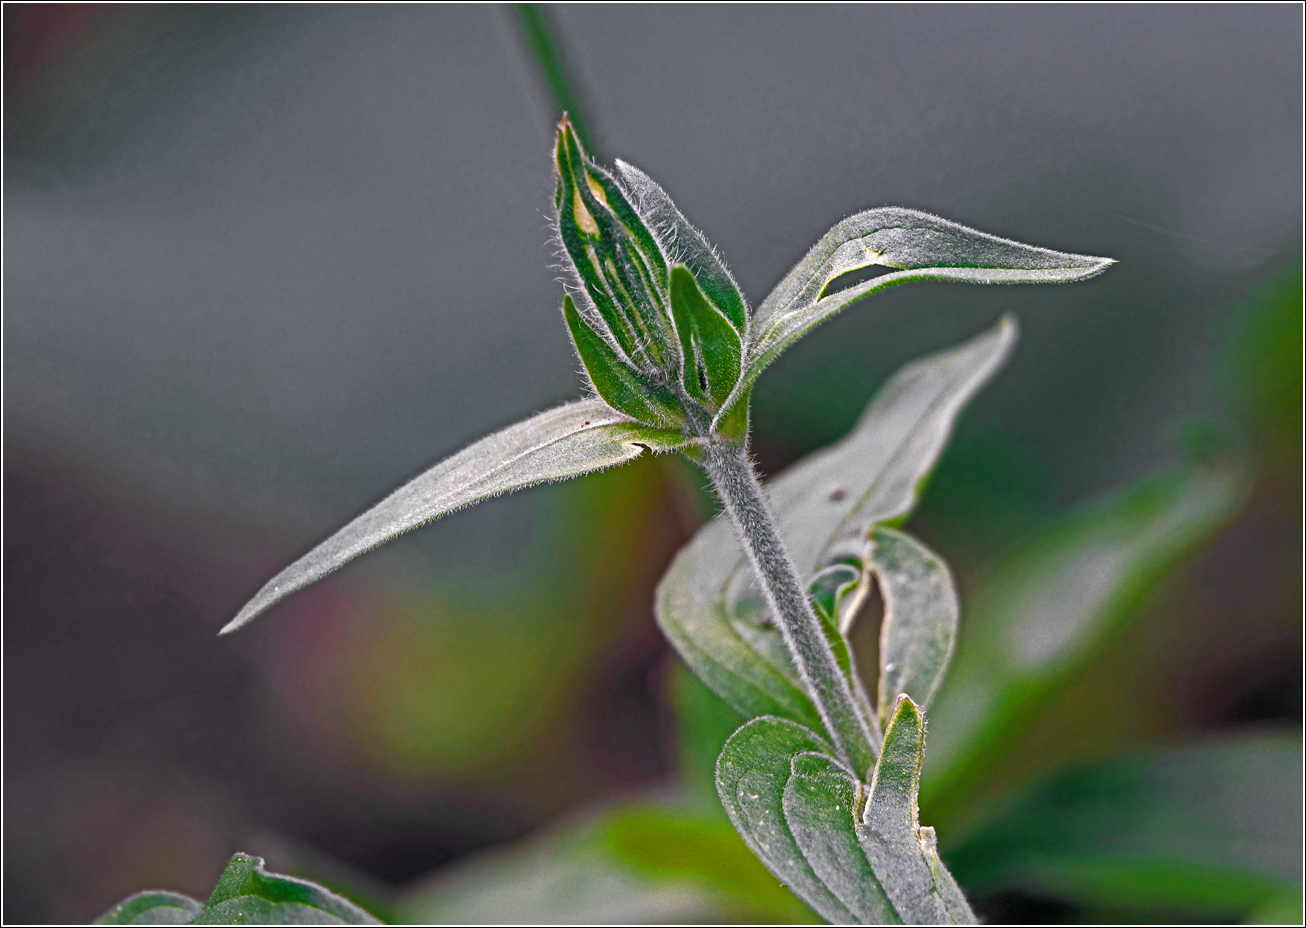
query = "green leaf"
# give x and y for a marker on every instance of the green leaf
(903, 855)
(1283, 908)
(821, 801)
(654, 859)
(828, 501)
(751, 775)
(709, 605)
(247, 894)
(1051, 607)
(564, 442)
(682, 243)
(920, 618)
(153, 907)
(1212, 829)
(710, 346)
(925, 246)
(620, 386)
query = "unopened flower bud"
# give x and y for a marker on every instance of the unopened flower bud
(621, 271)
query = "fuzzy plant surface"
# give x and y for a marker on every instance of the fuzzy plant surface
(822, 782)
(246, 894)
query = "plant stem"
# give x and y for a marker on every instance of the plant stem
(731, 471)
(542, 41)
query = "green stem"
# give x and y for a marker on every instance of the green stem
(731, 471)
(542, 40)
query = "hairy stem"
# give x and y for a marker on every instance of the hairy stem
(731, 471)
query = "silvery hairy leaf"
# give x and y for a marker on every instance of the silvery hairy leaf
(751, 775)
(921, 611)
(925, 247)
(821, 801)
(902, 854)
(152, 907)
(246, 894)
(567, 441)
(709, 605)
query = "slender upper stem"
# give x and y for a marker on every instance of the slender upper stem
(731, 471)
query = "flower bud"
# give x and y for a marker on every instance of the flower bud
(621, 271)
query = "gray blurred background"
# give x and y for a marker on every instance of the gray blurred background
(262, 264)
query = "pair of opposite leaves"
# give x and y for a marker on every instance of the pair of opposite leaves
(589, 434)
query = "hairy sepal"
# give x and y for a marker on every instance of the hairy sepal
(621, 269)
(683, 243)
(711, 348)
(620, 386)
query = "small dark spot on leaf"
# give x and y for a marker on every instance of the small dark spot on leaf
(764, 619)
(836, 493)
(587, 422)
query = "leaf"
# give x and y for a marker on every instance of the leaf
(620, 386)
(248, 894)
(925, 246)
(709, 605)
(873, 475)
(751, 775)
(682, 243)
(654, 859)
(153, 907)
(1283, 908)
(1213, 829)
(1051, 607)
(821, 801)
(567, 441)
(710, 347)
(903, 859)
(920, 618)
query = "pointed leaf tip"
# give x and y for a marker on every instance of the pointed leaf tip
(923, 246)
(564, 442)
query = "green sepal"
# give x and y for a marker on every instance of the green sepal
(686, 244)
(619, 385)
(712, 349)
(615, 255)
(732, 423)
